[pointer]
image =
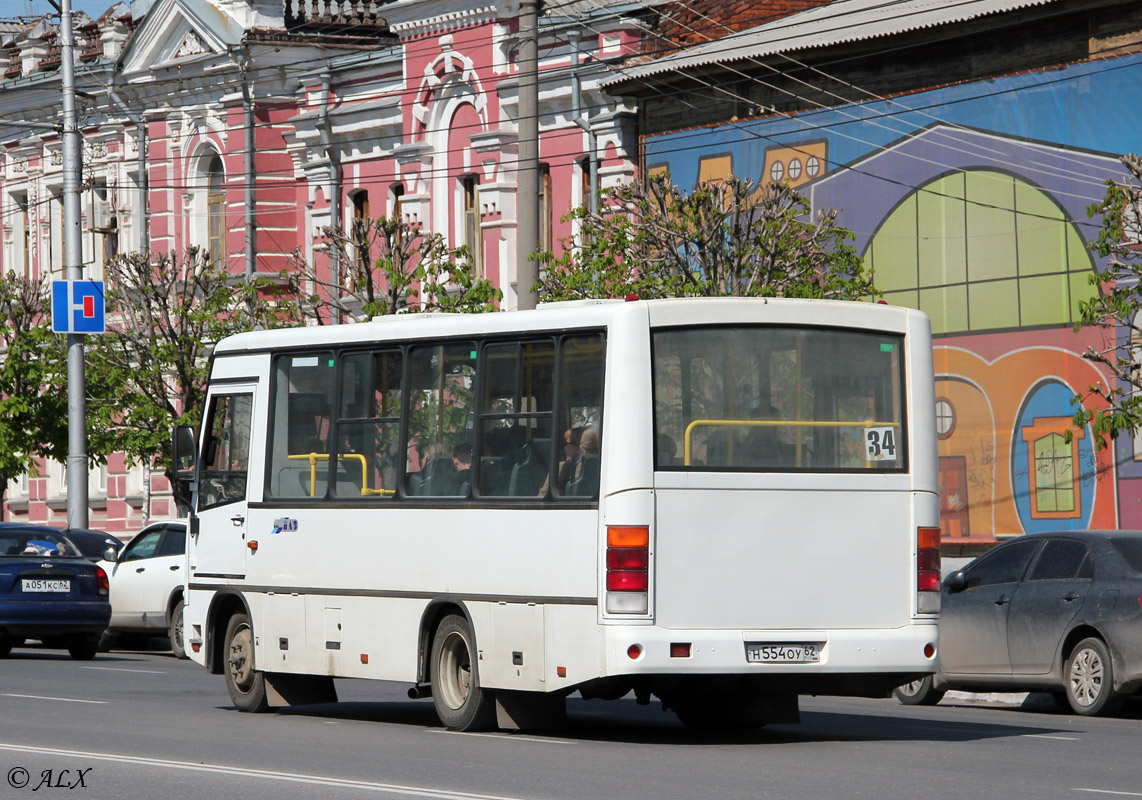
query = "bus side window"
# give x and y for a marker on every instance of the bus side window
(581, 406)
(301, 424)
(223, 478)
(368, 425)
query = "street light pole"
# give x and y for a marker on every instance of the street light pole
(73, 270)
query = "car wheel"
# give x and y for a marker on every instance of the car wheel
(6, 645)
(460, 702)
(918, 693)
(83, 648)
(175, 631)
(1090, 679)
(246, 685)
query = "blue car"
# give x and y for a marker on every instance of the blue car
(50, 592)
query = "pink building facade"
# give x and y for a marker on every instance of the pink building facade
(407, 107)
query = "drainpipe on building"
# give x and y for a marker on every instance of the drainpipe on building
(584, 122)
(141, 165)
(331, 153)
(248, 102)
(144, 247)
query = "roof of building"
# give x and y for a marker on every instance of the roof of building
(836, 23)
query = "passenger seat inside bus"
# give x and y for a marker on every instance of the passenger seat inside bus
(588, 481)
(529, 472)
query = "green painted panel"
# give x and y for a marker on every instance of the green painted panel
(1044, 300)
(993, 305)
(991, 226)
(894, 249)
(947, 306)
(1081, 290)
(1078, 255)
(1041, 232)
(907, 299)
(941, 225)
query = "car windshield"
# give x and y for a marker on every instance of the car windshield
(1131, 551)
(37, 544)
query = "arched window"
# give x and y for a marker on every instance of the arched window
(215, 208)
(545, 208)
(359, 229)
(470, 185)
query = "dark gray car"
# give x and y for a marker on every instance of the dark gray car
(1056, 612)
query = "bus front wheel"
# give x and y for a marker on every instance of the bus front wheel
(246, 685)
(460, 702)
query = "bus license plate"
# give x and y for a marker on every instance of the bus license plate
(783, 653)
(54, 585)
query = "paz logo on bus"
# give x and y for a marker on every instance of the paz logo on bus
(283, 524)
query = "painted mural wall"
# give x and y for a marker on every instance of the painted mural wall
(970, 202)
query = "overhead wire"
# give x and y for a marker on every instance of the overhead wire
(572, 131)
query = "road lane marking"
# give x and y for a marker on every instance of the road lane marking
(60, 699)
(1049, 736)
(290, 777)
(1109, 791)
(505, 737)
(127, 669)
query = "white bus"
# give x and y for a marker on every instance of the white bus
(722, 503)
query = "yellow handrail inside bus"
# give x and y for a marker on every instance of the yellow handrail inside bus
(313, 458)
(772, 423)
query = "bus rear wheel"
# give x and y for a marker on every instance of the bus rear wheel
(460, 702)
(246, 685)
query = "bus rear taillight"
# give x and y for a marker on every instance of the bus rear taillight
(628, 569)
(928, 570)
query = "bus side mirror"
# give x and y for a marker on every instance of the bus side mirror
(184, 450)
(956, 582)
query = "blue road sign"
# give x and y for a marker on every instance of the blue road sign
(77, 307)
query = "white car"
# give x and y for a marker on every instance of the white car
(146, 584)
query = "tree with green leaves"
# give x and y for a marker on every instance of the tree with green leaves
(165, 313)
(33, 422)
(1115, 406)
(388, 265)
(724, 238)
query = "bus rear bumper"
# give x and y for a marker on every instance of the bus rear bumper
(644, 650)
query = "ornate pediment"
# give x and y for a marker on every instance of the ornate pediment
(192, 45)
(178, 32)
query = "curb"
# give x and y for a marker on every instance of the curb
(988, 698)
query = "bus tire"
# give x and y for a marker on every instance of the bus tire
(460, 703)
(174, 630)
(247, 686)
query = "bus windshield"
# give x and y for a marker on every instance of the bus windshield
(762, 398)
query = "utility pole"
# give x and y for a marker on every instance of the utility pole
(73, 266)
(527, 169)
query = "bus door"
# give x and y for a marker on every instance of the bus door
(219, 551)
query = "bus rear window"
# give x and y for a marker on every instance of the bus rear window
(775, 399)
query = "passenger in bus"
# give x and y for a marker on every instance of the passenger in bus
(761, 446)
(667, 451)
(571, 441)
(585, 477)
(462, 459)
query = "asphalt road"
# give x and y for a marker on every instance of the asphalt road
(143, 725)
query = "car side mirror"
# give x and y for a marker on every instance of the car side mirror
(956, 582)
(111, 554)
